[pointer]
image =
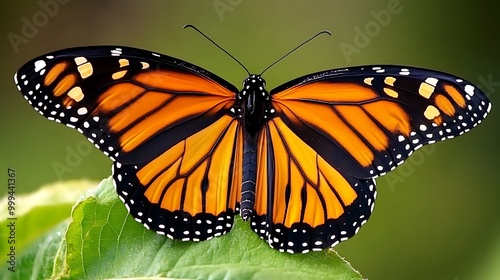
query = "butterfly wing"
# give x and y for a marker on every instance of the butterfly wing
(334, 132)
(304, 203)
(165, 123)
(378, 115)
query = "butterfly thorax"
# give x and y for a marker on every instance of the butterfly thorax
(255, 102)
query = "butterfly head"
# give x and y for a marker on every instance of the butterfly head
(256, 102)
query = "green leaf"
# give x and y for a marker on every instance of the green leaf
(103, 241)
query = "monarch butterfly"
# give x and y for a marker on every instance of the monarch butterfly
(190, 151)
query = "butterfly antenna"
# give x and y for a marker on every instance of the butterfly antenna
(213, 42)
(294, 49)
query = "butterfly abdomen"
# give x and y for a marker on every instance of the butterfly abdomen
(255, 102)
(248, 177)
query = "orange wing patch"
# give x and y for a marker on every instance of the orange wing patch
(194, 175)
(328, 92)
(444, 104)
(305, 188)
(163, 117)
(141, 112)
(357, 127)
(455, 95)
(55, 72)
(176, 81)
(390, 115)
(117, 95)
(65, 84)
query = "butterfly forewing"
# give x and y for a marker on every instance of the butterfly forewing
(166, 123)
(124, 100)
(365, 121)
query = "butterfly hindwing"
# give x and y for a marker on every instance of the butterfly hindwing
(304, 203)
(192, 190)
(166, 123)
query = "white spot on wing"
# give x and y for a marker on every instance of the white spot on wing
(432, 81)
(469, 90)
(82, 111)
(80, 60)
(404, 72)
(368, 81)
(39, 65)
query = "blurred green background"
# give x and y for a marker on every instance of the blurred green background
(436, 216)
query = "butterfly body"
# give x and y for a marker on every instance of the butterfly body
(190, 151)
